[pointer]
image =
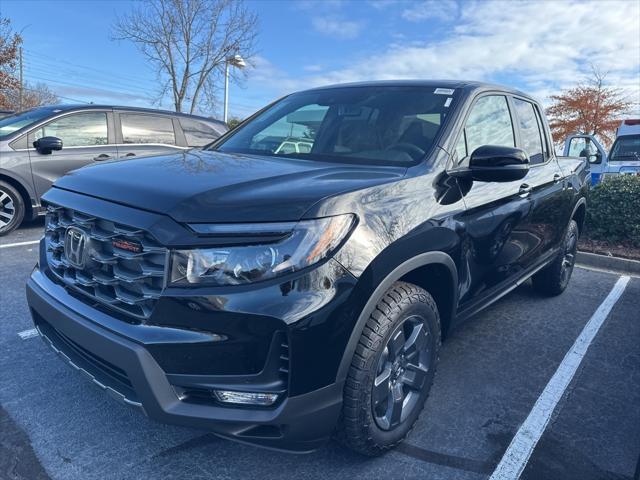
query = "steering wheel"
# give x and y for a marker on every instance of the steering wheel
(413, 150)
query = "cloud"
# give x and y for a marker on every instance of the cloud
(313, 68)
(315, 5)
(538, 47)
(382, 4)
(428, 9)
(335, 27)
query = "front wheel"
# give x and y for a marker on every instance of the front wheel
(554, 278)
(392, 370)
(11, 208)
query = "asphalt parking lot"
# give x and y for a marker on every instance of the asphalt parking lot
(493, 369)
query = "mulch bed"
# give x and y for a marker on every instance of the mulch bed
(611, 249)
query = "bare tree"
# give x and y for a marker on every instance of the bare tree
(10, 41)
(188, 43)
(34, 95)
(591, 108)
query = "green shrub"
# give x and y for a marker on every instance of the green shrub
(614, 210)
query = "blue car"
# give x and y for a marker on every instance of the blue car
(623, 158)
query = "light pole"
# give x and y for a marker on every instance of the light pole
(238, 62)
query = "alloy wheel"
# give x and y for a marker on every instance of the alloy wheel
(401, 373)
(7, 209)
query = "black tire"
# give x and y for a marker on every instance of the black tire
(11, 208)
(554, 278)
(364, 426)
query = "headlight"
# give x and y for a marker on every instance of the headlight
(309, 242)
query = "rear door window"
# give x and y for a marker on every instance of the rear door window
(198, 134)
(138, 128)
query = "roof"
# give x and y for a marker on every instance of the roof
(464, 84)
(66, 107)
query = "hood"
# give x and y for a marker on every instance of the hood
(199, 186)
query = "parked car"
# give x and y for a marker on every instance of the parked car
(294, 145)
(623, 158)
(279, 298)
(39, 145)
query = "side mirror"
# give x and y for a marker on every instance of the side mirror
(595, 158)
(494, 163)
(46, 145)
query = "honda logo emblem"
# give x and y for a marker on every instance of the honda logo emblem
(75, 241)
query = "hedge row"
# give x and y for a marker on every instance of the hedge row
(614, 210)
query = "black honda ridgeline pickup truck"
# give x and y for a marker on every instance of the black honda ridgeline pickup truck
(295, 279)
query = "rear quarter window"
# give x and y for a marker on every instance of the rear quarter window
(198, 134)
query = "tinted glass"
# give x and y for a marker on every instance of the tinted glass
(199, 134)
(77, 130)
(626, 149)
(489, 123)
(147, 129)
(530, 134)
(371, 125)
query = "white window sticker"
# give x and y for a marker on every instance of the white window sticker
(448, 102)
(443, 91)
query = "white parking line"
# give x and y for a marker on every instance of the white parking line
(19, 244)
(26, 334)
(519, 451)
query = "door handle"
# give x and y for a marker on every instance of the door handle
(101, 157)
(557, 177)
(525, 190)
(130, 155)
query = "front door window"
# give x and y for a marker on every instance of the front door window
(77, 130)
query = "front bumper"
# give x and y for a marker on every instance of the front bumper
(108, 352)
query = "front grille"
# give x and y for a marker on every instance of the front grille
(127, 281)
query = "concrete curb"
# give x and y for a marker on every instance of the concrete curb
(603, 262)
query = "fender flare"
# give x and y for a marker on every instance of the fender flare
(581, 201)
(421, 260)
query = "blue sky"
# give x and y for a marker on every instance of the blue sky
(539, 47)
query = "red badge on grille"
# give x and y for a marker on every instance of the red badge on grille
(126, 245)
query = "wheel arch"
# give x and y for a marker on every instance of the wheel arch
(579, 213)
(22, 190)
(426, 270)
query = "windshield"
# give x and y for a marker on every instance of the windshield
(366, 125)
(12, 123)
(626, 149)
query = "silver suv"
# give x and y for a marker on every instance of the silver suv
(39, 145)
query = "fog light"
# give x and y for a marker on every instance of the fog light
(246, 398)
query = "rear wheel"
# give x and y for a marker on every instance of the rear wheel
(554, 278)
(392, 370)
(11, 208)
